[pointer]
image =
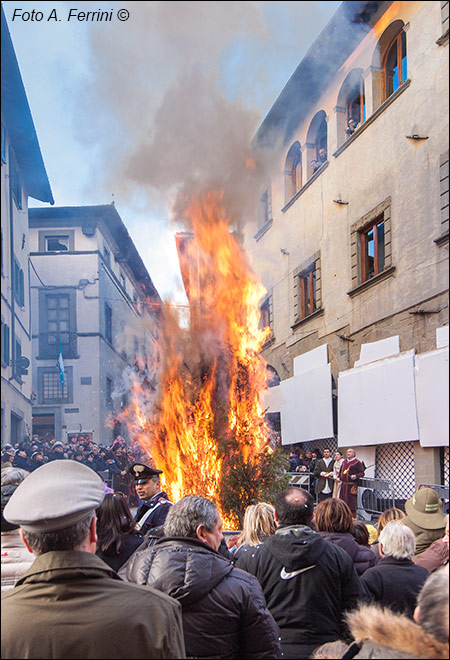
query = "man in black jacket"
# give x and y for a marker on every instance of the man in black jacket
(224, 610)
(308, 582)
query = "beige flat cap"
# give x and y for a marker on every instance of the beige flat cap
(55, 496)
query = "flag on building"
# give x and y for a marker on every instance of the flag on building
(61, 365)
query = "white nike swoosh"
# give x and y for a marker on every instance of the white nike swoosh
(287, 576)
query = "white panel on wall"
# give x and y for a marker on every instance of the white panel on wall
(306, 413)
(432, 397)
(376, 403)
(318, 357)
(442, 337)
(272, 399)
(377, 350)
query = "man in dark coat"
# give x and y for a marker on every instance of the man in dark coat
(351, 471)
(155, 506)
(70, 604)
(308, 582)
(324, 483)
(224, 611)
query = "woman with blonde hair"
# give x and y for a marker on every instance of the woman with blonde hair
(387, 516)
(259, 523)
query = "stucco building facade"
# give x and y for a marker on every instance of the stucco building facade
(351, 233)
(23, 175)
(93, 298)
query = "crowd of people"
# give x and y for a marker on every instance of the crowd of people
(113, 462)
(82, 577)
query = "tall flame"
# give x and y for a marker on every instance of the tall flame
(208, 404)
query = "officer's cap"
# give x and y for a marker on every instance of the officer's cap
(55, 496)
(143, 473)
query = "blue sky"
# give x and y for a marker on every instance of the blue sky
(97, 92)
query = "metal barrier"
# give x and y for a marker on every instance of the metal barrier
(374, 497)
(301, 479)
(442, 491)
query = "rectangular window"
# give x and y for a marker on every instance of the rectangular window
(265, 208)
(19, 284)
(3, 144)
(372, 250)
(14, 180)
(307, 290)
(50, 389)
(57, 243)
(265, 315)
(108, 323)
(57, 323)
(5, 343)
(107, 256)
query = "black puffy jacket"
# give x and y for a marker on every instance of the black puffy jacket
(224, 610)
(308, 582)
(362, 557)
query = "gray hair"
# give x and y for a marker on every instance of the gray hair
(70, 538)
(398, 541)
(13, 476)
(433, 603)
(185, 516)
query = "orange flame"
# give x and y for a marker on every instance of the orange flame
(210, 384)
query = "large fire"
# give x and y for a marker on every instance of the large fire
(207, 400)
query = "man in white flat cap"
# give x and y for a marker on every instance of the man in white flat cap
(70, 604)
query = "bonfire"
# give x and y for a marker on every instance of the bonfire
(199, 416)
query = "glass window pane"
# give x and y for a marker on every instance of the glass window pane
(380, 242)
(64, 326)
(57, 243)
(391, 70)
(53, 326)
(64, 338)
(52, 315)
(51, 302)
(404, 58)
(64, 314)
(63, 302)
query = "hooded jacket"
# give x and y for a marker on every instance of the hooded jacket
(308, 582)
(71, 605)
(224, 610)
(382, 633)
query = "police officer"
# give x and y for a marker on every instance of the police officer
(155, 507)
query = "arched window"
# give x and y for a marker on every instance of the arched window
(395, 64)
(351, 105)
(356, 105)
(273, 378)
(317, 142)
(322, 142)
(293, 171)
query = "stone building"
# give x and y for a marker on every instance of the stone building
(93, 299)
(23, 175)
(351, 241)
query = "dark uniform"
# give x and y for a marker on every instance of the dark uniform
(153, 512)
